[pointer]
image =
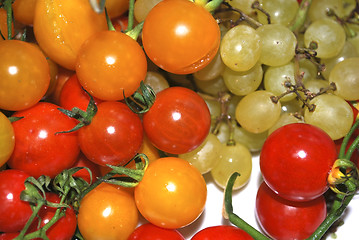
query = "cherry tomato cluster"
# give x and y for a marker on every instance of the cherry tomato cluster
(109, 122)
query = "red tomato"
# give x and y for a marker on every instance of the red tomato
(38, 149)
(14, 212)
(295, 161)
(82, 161)
(114, 135)
(72, 95)
(178, 121)
(173, 36)
(149, 231)
(222, 232)
(64, 228)
(8, 236)
(110, 63)
(286, 220)
(7, 139)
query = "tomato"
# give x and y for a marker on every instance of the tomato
(107, 212)
(7, 139)
(24, 11)
(110, 63)
(172, 193)
(286, 220)
(72, 95)
(114, 135)
(64, 228)
(116, 8)
(24, 75)
(149, 231)
(295, 161)
(38, 149)
(178, 122)
(221, 232)
(82, 161)
(61, 26)
(14, 212)
(62, 76)
(173, 36)
(8, 236)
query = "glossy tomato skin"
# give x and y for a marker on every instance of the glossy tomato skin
(24, 75)
(8, 236)
(38, 149)
(222, 232)
(172, 193)
(64, 228)
(14, 213)
(7, 139)
(178, 121)
(107, 212)
(61, 26)
(171, 34)
(295, 161)
(287, 220)
(117, 68)
(149, 231)
(82, 161)
(114, 135)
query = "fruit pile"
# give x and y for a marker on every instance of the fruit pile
(117, 115)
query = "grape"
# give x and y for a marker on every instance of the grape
(213, 70)
(211, 87)
(314, 85)
(292, 106)
(318, 9)
(142, 8)
(156, 81)
(232, 159)
(244, 5)
(328, 34)
(206, 155)
(256, 112)
(285, 118)
(309, 69)
(345, 75)
(332, 114)
(275, 77)
(243, 83)
(253, 141)
(240, 48)
(278, 44)
(281, 11)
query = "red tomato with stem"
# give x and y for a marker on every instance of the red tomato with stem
(14, 213)
(114, 135)
(287, 220)
(295, 161)
(148, 231)
(221, 232)
(82, 161)
(173, 36)
(178, 121)
(38, 149)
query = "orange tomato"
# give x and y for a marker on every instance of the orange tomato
(116, 8)
(24, 11)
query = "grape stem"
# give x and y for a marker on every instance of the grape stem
(301, 15)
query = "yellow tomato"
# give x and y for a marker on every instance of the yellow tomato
(7, 139)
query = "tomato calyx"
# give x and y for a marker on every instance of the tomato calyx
(142, 100)
(342, 171)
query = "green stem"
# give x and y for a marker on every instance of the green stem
(235, 219)
(346, 140)
(213, 5)
(135, 32)
(109, 22)
(35, 211)
(301, 15)
(96, 6)
(8, 8)
(130, 15)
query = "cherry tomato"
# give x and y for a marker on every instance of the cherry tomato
(119, 66)
(178, 121)
(295, 161)
(72, 95)
(173, 36)
(38, 149)
(82, 161)
(8, 236)
(116, 8)
(64, 228)
(114, 135)
(24, 11)
(172, 193)
(62, 76)
(149, 231)
(14, 212)
(24, 75)
(61, 26)
(7, 139)
(221, 232)
(107, 212)
(286, 220)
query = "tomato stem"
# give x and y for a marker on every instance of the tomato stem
(130, 15)
(212, 5)
(109, 22)
(342, 151)
(235, 219)
(135, 32)
(97, 6)
(9, 17)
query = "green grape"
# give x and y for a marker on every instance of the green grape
(256, 112)
(212, 87)
(223, 132)
(292, 106)
(206, 155)
(240, 48)
(214, 107)
(285, 118)
(243, 83)
(275, 78)
(314, 85)
(348, 51)
(142, 8)
(232, 105)
(278, 44)
(308, 68)
(280, 11)
(332, 114)
(244, 5)
(253, 141)
(156, 81)
(232, 159)
(329, 36)
(213, 70)
(345, 75)
(318, 9)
